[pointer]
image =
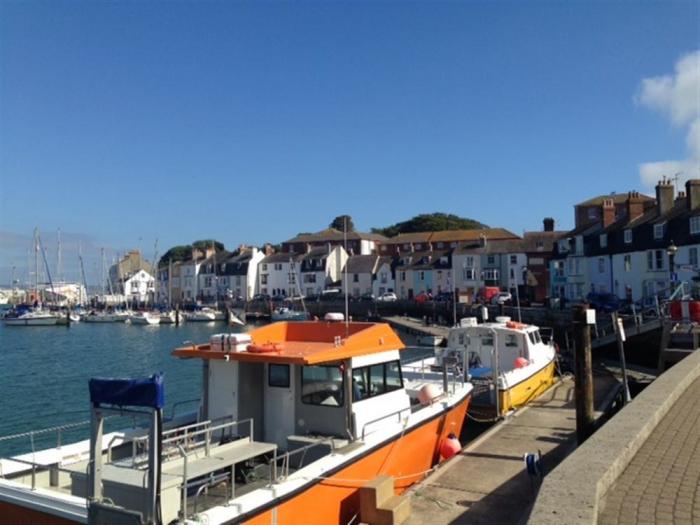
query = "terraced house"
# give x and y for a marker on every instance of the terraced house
(637, 253)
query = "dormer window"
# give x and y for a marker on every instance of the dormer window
(603, 240)
(592, 213)
(659, 231)
(628, 236)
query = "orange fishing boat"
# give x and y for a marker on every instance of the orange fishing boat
(294, 419)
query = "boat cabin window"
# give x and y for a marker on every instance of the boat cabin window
(512, 340)
(487, 340)
(374, 380)
(535, 337)
(322, 385)
(278, 375)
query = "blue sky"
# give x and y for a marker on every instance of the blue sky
(122, 122)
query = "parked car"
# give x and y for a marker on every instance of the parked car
(388, 297)
(367, 297)
(423, 297)
(332, 294)
(261, 297)
(502, 298)
(604, 302)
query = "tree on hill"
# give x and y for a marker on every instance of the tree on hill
(207, 243)
(430, 222)
(339, 223)
(183, 252)
(179, 253)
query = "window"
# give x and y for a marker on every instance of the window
(695, 225)
(655, 260)
(403, 276)
(513, 259)
(601, 264)
(693, 257)
(421, 276)
(658, 231)
(278, 375)
(468, 274)
(469, 262)
(491, 259)
(322, 385)
(309, 277)
(264, 267)
(603, 240)
(512, 340)
(592, 213)
(491, 275)
(278, 266)
(355, 278)
(559, 268)
(440, 245)
(382, 278)
(628, 236)
(628, 263)
(207, 282)
(375, 380)
(263, 278)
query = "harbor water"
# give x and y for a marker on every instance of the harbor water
(44, 373)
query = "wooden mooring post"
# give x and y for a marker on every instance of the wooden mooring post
(583, 373)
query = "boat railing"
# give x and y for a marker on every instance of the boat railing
(396, 413)
(53, 468)
(282, 474)
(192, 437)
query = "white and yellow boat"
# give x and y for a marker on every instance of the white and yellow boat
(505, 353)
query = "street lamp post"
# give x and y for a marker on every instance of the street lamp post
(671, 251)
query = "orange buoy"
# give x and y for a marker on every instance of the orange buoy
(450, 447)
(521, 362)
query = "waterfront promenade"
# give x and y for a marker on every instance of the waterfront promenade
(487, 482)
(643, 466)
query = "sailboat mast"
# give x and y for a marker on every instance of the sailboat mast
(36, 264)
(170, 283)
(154, 269)
(58, 257)
(102, 273)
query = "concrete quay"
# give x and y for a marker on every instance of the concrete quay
(487, 482)
(642, 466)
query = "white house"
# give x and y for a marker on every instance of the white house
(139, 287)
(384, 277)
(278, 275)
(239, 275)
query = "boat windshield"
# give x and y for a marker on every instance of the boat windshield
(534, 337)
(322, 385)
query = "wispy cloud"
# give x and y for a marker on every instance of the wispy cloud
(676, 96)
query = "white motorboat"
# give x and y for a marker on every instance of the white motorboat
(205, 315)
(284, 313)
(146, 318)
(169, 317)
(31, 318)
(100, 317)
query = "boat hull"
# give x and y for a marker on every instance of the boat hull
(337, 500)
(40, 321)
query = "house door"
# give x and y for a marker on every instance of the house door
(278, 404)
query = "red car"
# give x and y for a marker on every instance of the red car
(423, 297)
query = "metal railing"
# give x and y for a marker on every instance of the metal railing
(385, 416)
(275, 478)
(190, 437)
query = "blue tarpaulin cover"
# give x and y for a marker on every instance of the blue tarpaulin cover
(146, 392)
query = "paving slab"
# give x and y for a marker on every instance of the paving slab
(487, 483)
(662, 482)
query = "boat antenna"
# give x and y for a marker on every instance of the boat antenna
(345, 271)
